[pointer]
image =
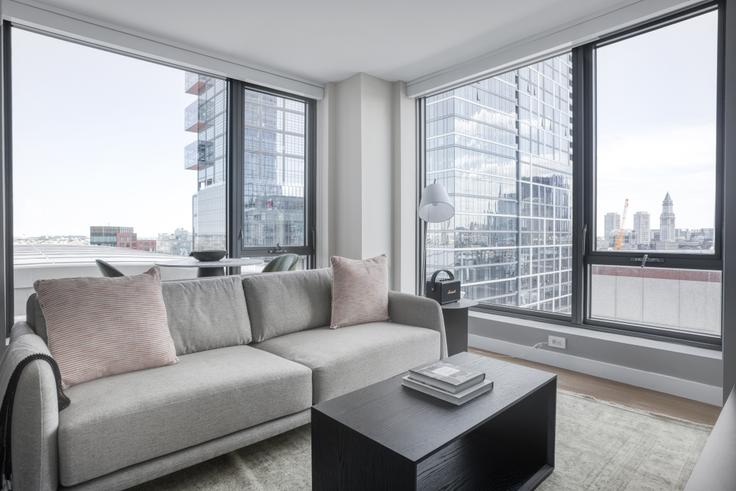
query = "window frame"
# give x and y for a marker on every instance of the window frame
(233, 163)
(664, 260)
(237, 160)
(584, 255)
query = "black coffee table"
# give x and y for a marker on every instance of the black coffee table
(386, 436)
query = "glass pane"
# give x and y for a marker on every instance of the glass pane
(502, 149)
(681, 299)
(274, 171)
(114, 158)
(656, 139)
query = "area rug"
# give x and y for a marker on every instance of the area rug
(600, 446)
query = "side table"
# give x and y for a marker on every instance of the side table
(456, 325)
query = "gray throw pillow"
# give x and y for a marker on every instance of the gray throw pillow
(359, 291)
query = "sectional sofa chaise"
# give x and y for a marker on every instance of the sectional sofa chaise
(254, 354)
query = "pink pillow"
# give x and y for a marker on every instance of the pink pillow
(359, 291)
(104, 326)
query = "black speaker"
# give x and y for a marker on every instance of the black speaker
(445, 290)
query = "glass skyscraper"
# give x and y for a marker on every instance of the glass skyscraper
(206, 116)
(274, 168)
(502, 148)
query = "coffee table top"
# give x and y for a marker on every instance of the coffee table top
(414, 424)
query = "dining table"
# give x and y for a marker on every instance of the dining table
(211, 268)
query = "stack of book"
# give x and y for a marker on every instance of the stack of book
(452, 383)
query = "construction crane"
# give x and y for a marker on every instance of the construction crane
(620, 232)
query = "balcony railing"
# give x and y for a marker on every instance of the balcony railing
(199, 154)
(196, 84)
(197, 116)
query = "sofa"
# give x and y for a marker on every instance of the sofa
(255, 353)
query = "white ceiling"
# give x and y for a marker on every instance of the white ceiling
(330, 40)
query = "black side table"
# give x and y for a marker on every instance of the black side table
(456, 325)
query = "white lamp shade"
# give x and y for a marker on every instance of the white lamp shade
(435, 205)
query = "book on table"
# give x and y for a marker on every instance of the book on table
(447, 377)
(457, 399)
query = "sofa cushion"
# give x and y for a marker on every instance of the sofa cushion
(127, 419)
(206, 313)
(97, 327)
(282, 303)
(359, 291)
(346, 359)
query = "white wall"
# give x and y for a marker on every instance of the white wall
(369, 149)
(376, 163)
(404, 190)
(347, 164)
(368, 146)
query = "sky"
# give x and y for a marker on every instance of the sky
(656, 123)
(98, 139)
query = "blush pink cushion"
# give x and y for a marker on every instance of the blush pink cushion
(104, 326)
(359, 291)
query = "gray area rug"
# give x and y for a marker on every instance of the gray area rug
(600, 446)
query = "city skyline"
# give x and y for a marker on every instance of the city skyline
(638, 234)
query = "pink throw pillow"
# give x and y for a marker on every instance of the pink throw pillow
(98, 327)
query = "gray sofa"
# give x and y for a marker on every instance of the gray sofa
(254, 354)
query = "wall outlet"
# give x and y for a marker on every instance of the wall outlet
(557, 342)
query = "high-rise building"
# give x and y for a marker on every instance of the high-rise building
(667, 221)
(206, 116)
(642, 231)
(502, 148)
(273, 202)
(612, 223)
(273, 198)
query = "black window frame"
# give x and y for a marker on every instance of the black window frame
(236, 134)
(584, 255)
(234, 164)
(660, 260)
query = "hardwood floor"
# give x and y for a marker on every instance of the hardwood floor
(628, 395)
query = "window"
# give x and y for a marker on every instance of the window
(114, 158)
(130, 161)
(275, 170)
(617, 227)
(656, 139)
(502, 149)
(655, 166)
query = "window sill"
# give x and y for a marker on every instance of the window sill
(621, 339)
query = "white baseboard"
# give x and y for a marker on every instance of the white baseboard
(709, 394)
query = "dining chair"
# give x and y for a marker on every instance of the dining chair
(286, 262)
(108, 269)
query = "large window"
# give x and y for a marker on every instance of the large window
(275, 170)
(655, 107)
(130, 161)
(616, 228)
(114, 158)
(655, 260)
(502, 148)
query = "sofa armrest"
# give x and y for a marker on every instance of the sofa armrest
(35, 416)
(414, 310)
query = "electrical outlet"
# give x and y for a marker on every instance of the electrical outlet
(557, 342)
